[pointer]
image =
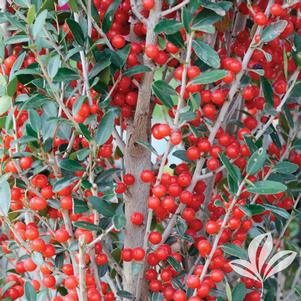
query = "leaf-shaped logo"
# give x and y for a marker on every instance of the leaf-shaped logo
(260, 267)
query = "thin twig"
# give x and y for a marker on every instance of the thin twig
(82, 271)
(175, 8)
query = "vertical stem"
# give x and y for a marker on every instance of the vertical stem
(82, 272)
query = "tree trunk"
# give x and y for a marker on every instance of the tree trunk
(137, 158)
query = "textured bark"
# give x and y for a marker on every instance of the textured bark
(137, 158)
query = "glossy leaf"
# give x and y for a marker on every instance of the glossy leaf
(239, 292)
(76, 31)
(63, 183)
(71, 165)
(205, 18)
(206, 53)
(209, 77)
(105, 128)
(30, 292)
(119, 221)
(5, 103)
(103, 207)
(174, 263)
(277, 210)
(79, 206)
(125, 294)
(164, 91)
(231, 168)
(234, 250)
(272, 31)
(136, 70)
(109, 15)
(38, 25)
(267, 90)
(220, 8)
(86, 225)
(65, 74)
(256, 161)
(266, 187)
(285, 167)
(5, 197)
(168, 26)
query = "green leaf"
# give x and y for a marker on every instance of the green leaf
(285, 167)
(277, 210)
(275, 137)
(148, 146)
(206, 53)
(85, 131)
(209, 77)
(39, 24)
(205, 18)
(267, 91)
(176, 39)
(266, 187)
(174, 263)
(164, 91)
(16, 39)
(250, 143)
(229, 292)
(14, 21)
(17, 65)
(125, 294)
(181, 226)
(31, 14)
(252, 209)
(136, 70)
(5, 197)
(37, 258)
(231, 168)
(103, 207)
(78, 103)
(35, 120)
(157, 297)
(73, 5)
(76, 31)
(71, 165)
(234, 250)
(272, 31)
(79, 206)
(298, 291)
(63, 183)
(232, 185)
(30, 292)
(105, 128)
(65, 74)
(239, 292)
(186, 19)
(86, 225)
(181, 154)
(256, 161)
(98, 67)
(119, 57)
(11, 87)
(106, 175)
(220, 8)
(119, 221)
(59, 260)
(108, 18)
(168, 26)
(53, 65)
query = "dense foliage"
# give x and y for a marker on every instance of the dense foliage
(144, 144)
